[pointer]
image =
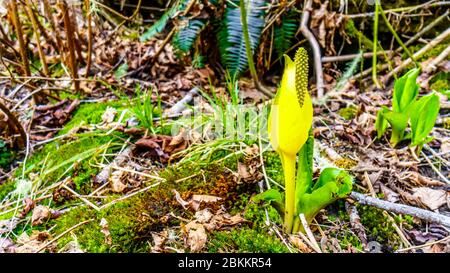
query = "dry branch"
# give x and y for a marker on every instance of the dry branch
(315, 46)
(401, 209)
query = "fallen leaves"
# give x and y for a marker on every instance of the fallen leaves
(195, 232)
(41, 214)
(431, 198)
(160, 147)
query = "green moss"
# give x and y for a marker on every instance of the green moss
(348, 113)
(435, 51)
(245, 240)
(6, 188)
(441, 83)
(274, 170)
(378, 227)
(353, 32)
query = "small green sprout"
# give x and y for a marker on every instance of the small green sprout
(420, 114)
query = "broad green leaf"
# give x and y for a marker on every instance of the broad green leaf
(269, 195)
(333, 184)
(423, 118)
(398, 122)
(405, 91)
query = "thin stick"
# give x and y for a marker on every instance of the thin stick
(375, 45)
(424, 245)
(309, 233)
(128, 196)
(89, 203)
(89, 49)
(62, 234)
(401, 209)
(419, 53)
(433, 65)
(34, 24)
(315, 46)
(435, 169)
(15, 122)
(70, 43)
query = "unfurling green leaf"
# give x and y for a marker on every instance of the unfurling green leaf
(405, 91)
(423, 117)
(398, 122)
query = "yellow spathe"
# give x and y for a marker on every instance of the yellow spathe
(289, 123)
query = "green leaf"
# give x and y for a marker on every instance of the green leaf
(231, 38)
(332, 184)
(269, 195)
(398, 122)
(381, 123)
(121, 71)
(405, 91)
(185, 37)
(423, 118)
(305, 168)
(160, 25)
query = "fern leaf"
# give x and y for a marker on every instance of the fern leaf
(285, 32)
(186, 36)
(231, 38)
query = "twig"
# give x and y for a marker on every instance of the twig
(129, 195)
(424, 30)
(432, 66)
(341, 58)
(435, 169)
(70, 43)
(62, 234)
(89, 203)
(309, 233)
(89, 47)
(315, 46)
(181, 104)
(355, 222)
(401, 209)
(15, 122)
(424, 245)
(419, 53)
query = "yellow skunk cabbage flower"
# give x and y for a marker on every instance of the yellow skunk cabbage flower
(289, 123)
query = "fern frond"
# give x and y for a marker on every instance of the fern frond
(285, 32)
(231, 37)
(186, 36)
(349, 71)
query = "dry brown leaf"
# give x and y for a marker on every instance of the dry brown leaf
(40, 215)
(180, 200)
(196, 236)
(433, 199)
(198, 199)
(299, 244)
(7, 245)
(109, 115)
(105, 230)
(32, 243)
(116, 182)
(159, 239)
(203, 216)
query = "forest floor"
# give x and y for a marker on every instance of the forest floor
(93, 179)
